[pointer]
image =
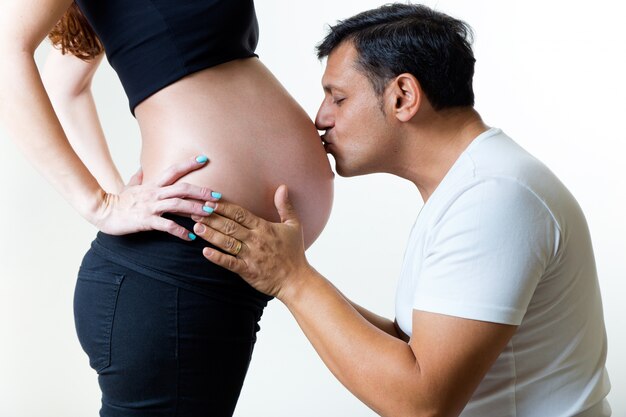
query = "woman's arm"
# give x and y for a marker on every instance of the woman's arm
(25, 109)
(67, 80)
(29, 118)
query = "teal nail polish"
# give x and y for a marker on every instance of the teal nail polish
(208, 209)
(192, 236)
(217, 195)
(202, 159)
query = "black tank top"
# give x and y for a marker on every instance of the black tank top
(153, 43)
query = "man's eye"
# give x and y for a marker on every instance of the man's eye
(338, 100)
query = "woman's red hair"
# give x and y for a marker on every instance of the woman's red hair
(74, 34)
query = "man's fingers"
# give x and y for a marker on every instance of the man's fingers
(229, 262)
(176, 171)
(237, 214)
(285, 209)
(222, 232)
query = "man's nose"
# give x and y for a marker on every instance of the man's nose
(324, 119)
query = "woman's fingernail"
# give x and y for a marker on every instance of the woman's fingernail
(192, 236)
(216, 195)
(202, 159)
(199, 228)
(208, 209)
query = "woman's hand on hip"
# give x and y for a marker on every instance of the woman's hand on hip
(269, 256)
(139, 206)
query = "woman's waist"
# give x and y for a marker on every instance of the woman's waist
(159, 250)
(167, 258)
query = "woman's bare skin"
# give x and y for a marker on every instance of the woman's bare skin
(255, 135)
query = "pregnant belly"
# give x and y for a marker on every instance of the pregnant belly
(255, 135)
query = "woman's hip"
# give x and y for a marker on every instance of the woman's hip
(158, 347)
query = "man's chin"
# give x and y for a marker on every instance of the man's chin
(352, 171)
(345, 172)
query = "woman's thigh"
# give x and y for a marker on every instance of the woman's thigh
(160, 350)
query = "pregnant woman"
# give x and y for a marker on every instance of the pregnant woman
(169, 333)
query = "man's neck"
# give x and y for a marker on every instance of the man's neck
(433, 145)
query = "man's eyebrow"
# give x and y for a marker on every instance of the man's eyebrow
(328, 87)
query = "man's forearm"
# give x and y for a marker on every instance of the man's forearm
(382, 323)
(375, 365)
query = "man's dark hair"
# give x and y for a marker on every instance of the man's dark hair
(410, 38)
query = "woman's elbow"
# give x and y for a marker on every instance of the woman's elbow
(61, 90)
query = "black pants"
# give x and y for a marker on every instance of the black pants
(162, 343)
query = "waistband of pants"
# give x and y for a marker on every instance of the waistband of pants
(168, 258)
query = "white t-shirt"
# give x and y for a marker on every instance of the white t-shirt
(502, 240)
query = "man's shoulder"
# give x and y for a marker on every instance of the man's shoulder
(498, 155)
(499, 160)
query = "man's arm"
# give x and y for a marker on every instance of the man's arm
(433, 375)
(384, 324)
(67, 80)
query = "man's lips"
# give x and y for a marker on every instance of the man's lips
(327, 145)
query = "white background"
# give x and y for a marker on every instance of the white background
(549, 73)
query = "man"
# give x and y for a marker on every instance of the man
(498, 311)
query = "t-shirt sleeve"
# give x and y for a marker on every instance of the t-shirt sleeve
(485, 254)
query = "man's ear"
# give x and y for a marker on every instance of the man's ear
(407, 95)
